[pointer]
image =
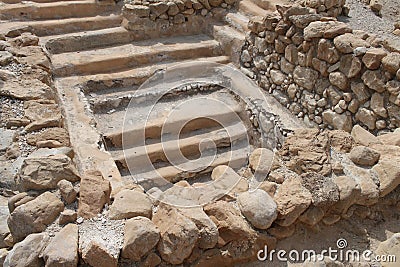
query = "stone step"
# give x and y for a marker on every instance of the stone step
(269, 4)
(101, 84)
(193, 145)
(117, 58)
(63, 26)
(237, 21)
(250, 9)
(80, 41)
(55, 10)
(235, 159)
(203, 116)
(37, 1)
(126, 87)
(231, 41)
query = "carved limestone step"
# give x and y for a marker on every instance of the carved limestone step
(117, 58)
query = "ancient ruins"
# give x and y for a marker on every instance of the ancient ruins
(199, 132)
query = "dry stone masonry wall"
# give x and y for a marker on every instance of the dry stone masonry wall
(323, 71)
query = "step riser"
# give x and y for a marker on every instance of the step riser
(47, 29)
(130, 61)
(54, 11)
(104, 82)
(188, 148)
(172, 174)
(130, 137)
(79, 43)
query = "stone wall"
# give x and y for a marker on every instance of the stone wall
(323, 71)
(153, 19)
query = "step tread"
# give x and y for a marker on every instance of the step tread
(130, 55)
(237, 20)
(51, 26)
(156, 151)
(250, 8)
(236, 159)
(138, 74)
(156, 122)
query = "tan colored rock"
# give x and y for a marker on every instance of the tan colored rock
(140, 236)
(26, 89)
(258, 207)
(231, 225)
(292, 200)
(96, 255)
(34, 216)
(67, 216)
(378, 105)
(376, 6)
(179, 234)
(339, 80)
(305, 77)
(130, 203)
(390, 139)
(25, 39)
(331, 219)
(27, 252)
(40, 109)
(341, 141)
(45, 172)
(349, 192)
(19, 199)
(158, 8)
(321, 66)
(368, 185)
(52, 134)
(94, 194)
(63, 248)
(360, 90)
(350, 65)
(375, 80)
(269, 187)
(152, 260)
(372, 59)
(323, 190)
(67, 191)
(338, 121)
(388, 171)
(347, 42)
(391, 246)
(208, 230)
(326, 51)
(307, 150)
(364, 156)
(363, 137)
(391, 62)
(282, 232)
(261, 160)
(367, 117)
(312, 216)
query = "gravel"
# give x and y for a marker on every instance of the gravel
(362, 18)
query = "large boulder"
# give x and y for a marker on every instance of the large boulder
(388, 171)
(93, 195)
(208, 230)
(364, 156)
(34, 216)
(258, 207)
(179, 234)
(347, 42)
(349, 192)
(292, 200)
(140, 236)
(323, 190)
(63, 248)
(231, 225)
(27, 252)
(130, 203)
(305, 77)
(44, 173)
(96, 254)
(307, 150)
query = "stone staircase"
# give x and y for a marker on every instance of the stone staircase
(99, 67)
